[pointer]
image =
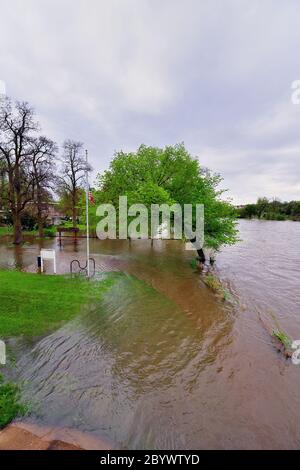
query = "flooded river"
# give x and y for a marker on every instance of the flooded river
(160, 361)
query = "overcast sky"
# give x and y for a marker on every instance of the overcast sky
(215, 74)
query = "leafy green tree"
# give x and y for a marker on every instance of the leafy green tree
(262, 206)
(170, 175)
(248, 211)
(272, 210)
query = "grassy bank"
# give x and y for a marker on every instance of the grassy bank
(48, 231)
(6, 231)
(10, 404)
(32, 305)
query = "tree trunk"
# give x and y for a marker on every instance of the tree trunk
(74, 218)
(18, 236)
(2, 189)
(16, 213)
(40, 226)
(201, 255)
(40, 218)
(74, 211)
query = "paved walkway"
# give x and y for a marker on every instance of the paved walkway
(24, 436)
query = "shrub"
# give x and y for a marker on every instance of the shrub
(50, 231)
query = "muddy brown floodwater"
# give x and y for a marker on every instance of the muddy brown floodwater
(160, 362)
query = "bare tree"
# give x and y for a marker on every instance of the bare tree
(72, 179)
(17, 124)
(43, 167)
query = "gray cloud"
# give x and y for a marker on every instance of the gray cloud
(118, 73)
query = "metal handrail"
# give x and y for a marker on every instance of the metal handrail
(83, 268)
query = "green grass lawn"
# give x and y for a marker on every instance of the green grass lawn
(81, 227)
(6, 231)
(33, 304)
(10, 404)
(48, 231)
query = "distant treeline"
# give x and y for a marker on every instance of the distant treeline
(271, 210)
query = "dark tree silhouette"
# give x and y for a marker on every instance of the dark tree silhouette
(17, 127)
(43, 168)
(72, 178)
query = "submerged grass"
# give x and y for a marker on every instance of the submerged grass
(32, 304)
(283, 338)
(216, 286)
(280, 334)
(213, 283)
(10, 404)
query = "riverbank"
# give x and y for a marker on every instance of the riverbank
(272, 217)
(33, 305)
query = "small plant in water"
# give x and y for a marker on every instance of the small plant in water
(193, 263)
(227, 295)
(215, 285)
(283, 338)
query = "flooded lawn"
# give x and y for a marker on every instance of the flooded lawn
(159, 361)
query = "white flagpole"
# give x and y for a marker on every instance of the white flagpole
(87, 217)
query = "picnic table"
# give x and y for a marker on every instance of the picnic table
(73, 230)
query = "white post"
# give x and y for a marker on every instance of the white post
(2, 353)
(48, 254)
(87, 217)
